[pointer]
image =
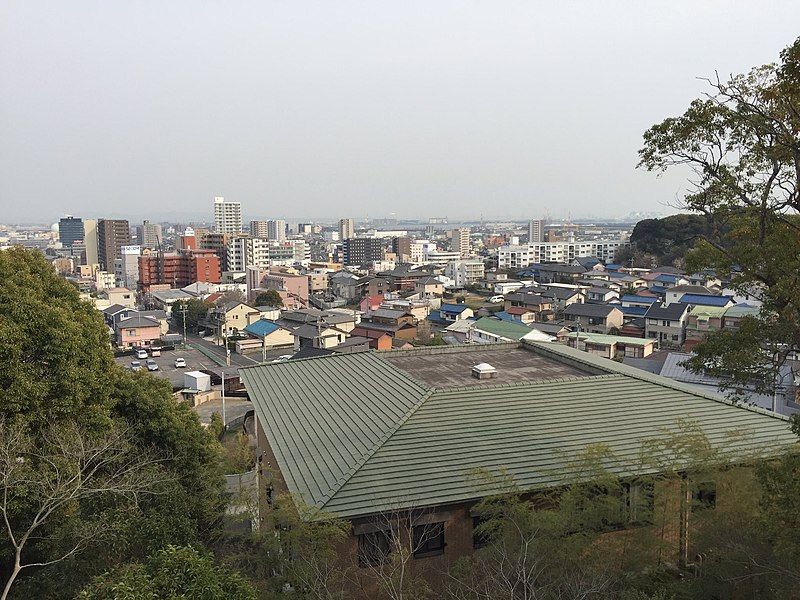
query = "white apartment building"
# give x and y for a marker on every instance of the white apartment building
(126, 267)
(521, 257)
(441, 257)
(535, 231)
(346, 229)
(464, 272)
(459, 241)
(276, 230)
(227, 216)
(419, 249)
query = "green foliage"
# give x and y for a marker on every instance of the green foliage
(173, 572)
(196, 310)
(57, 368)
(741, 146)
(268, 298)
(54, 348)
(664, 241)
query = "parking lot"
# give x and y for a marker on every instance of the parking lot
(195, 360)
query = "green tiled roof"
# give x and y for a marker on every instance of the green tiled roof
(354, 435)
(505, 329)
(323, 418)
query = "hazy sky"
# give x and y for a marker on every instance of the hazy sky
(324, 109)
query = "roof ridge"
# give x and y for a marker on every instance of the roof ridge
(342, 481)
(652, 378)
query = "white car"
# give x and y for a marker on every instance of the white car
(282, 358)
(151, 365)
(496, 299)
(136, 365)
(180, 363)
(141, 354)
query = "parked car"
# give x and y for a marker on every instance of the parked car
(496, 299)
(180, 363)
(152, 365)
(155, 351)
(141, 354)
(136, 365)
(282, 358)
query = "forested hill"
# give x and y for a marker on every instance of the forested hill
(668, 239)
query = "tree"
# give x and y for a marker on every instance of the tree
(268, 298)
(44, 478)
(54, 347)
(174, 572)
(196, 310)
(58, 373)
(741, 145)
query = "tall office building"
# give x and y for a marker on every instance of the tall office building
(70, 230)
(276, 230)
(362, 251)
(112, 235)
(401, 246)
(535, 231)
(459, 241)
(90, 239)
(259, 229)
(227, 216)
(346, 229)
(149, 234)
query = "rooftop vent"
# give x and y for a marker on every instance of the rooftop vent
(484, 371)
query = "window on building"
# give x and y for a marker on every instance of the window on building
(637, 500)
(374, 547)
(428, 539)
(479, 538)
(704, 495)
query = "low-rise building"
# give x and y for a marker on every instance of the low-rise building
(666, 323)
(412, 450)
(137, 332)
(593, 318)
(608, 346)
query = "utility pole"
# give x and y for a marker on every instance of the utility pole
(224, 421)
(183, 311)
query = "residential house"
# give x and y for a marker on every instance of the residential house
(434, 423)
(271, 335)
(707, 300)
(666, 323)
(397, 323)
(608, 346)
(593, 318)
(638, 300)
(137, 332)
(561, 297)
(702, 320)
(449, 313)
(318, 336)
(119, 295)
(230, 318)
(733, 316)
(378, 338)
(488, 330)
(601, 295)
(428, 286)
(540, 307)
(675, 294)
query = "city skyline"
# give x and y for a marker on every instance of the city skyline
(463, 113)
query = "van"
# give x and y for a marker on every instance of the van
(155, 351)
